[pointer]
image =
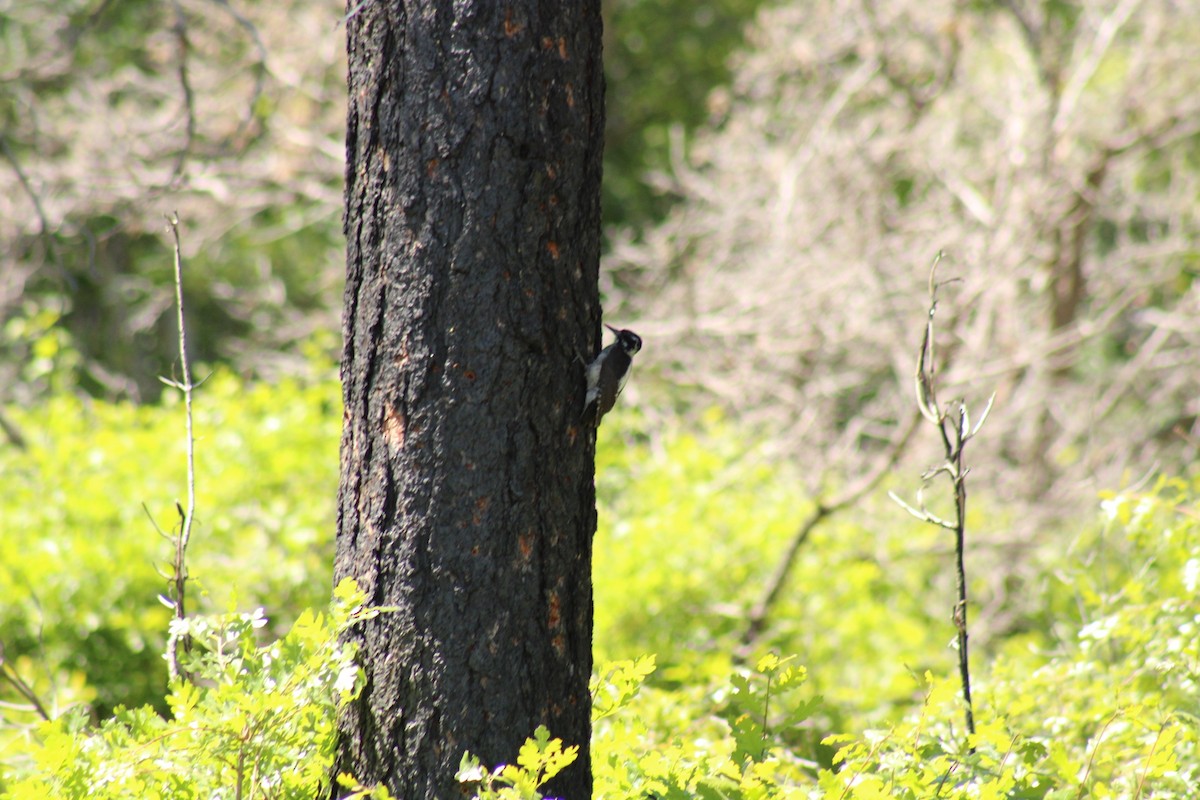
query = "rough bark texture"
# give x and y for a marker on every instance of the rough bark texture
(467, 500)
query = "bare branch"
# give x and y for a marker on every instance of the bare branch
(14, 679)
(185, 85)
(955, 431)
(186, 515)
(756, 619)
(922, 513)
(987, 410)
(44, 226)
(1106, 32)
(259, 67)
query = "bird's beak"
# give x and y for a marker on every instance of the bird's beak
(611, 328)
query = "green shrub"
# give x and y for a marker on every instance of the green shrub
(1110, 711)
(1095, 697)
(81, 564)
(257, 722)
(692, 525)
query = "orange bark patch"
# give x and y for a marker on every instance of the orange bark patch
(525, 545)
(511, 28)
(394, 425)
(481, 505)
(552, 247)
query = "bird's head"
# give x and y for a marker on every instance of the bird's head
(628, 341)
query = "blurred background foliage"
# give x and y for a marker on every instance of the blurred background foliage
(232, 114)
(778, 177)
(662, 60)
(693, 520)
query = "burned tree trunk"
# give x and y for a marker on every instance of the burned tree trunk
(472, 221)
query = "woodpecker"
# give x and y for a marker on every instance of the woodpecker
(607, 373)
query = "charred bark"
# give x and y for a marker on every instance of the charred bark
(474, 140)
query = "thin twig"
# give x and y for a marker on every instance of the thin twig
(14, 679)
(1097, 49)
(351, 13)
(45, 231)
(955, 430)
(1141, 784)
(259, 68)
(186, 515)
(12, 432)
(189, 101)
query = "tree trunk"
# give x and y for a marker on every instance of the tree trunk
(467, 501)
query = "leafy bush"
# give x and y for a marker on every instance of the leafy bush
(1110, 711)
(258, 721)
(80, 562)
(1098, 699)
(692, 524)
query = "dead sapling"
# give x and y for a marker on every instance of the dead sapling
(953, 423)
